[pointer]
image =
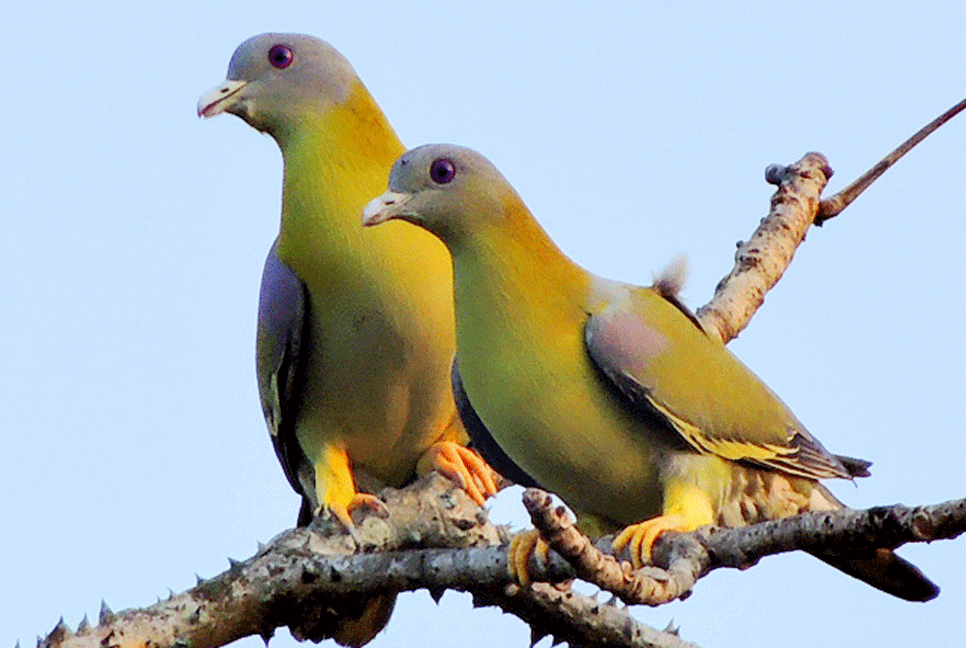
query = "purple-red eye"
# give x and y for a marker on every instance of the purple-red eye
(442, 171)
(281, 56)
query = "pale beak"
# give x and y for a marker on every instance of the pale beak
(383, 208)
(216, 100)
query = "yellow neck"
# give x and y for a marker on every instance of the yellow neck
(334, 163)
(513, 287)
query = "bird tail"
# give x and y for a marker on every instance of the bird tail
(360, 630)
(352, 620)
(883, 570)
(880, 568)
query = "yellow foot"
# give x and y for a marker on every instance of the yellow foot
(639, 538)
(522, 546)
(465, 467)
(359, 500)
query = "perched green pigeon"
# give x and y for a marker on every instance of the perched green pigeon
(610, 395)
(355, 341)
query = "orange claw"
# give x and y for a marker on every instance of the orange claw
(371, 502)
(359, 500)
(639, 538)
(464, 467)
(522, 546)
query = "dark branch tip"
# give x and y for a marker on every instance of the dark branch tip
(59, 633)
(106, 616)
(436, 593)
(536, 634)
(775, 173)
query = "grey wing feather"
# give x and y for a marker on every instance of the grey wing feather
(280, 359)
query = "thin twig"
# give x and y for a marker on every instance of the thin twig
(833, 206)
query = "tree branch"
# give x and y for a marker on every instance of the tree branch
(301, 575)
(762, 260)
(304, 576)
(834, 205)
(681, 559)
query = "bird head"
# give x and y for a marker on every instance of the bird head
(273, 77)
(452, 191)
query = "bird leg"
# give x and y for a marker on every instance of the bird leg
(336, 490)
(463, 467)
(686, 507)
(343, 513)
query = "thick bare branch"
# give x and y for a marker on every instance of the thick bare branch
(303, 576)
(762, 260)
(683, 558)
(850, 529)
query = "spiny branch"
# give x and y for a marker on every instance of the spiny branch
(681, 559)
(303, 577)
(300, 572)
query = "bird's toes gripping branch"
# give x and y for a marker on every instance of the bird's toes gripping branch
(522, 547)
(343, 513)
(463, 467)
(639, 538)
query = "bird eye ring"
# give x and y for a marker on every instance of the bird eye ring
(442, 171)
(281, 56)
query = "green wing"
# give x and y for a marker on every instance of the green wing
(655, 353)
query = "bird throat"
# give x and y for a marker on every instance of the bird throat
(335, 161)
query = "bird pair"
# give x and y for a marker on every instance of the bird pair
(608, 394)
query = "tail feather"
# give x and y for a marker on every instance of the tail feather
(855, 467)
(373, 617)
(884, 570)
(880, 568)
(352, 620)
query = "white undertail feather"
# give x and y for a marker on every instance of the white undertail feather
(672, 279)
(757, 495)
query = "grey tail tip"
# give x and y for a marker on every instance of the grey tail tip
(854, 466)
(884, 570)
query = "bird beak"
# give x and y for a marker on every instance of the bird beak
(219, 99)
(385, 207)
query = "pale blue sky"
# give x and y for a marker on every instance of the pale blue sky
(133, 238)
